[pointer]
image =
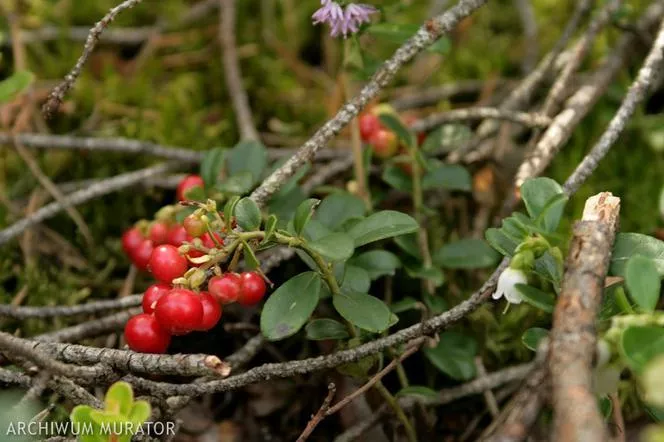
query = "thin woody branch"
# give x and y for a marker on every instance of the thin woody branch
(90, 329)
(25, 312)
(480, 113)
(573, 340)
(425, 36)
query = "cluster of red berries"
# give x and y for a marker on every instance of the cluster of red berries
(169, 310)
(383, 141)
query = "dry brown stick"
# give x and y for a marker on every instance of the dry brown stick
(320, 414)
(527, 16)
(480, 113)
(573, 341)
(430, 32)
(101, 188)
(232, 71)
(489, 398)
(58, 93)
(24, 312)
(90, 329)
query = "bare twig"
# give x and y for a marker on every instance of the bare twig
(232, 71)
(527, 15)
(320, 414)
(647, 75)
(101, 188)
(58, 93)
(426, 35)
(489, 398)
(576, 414)
(480, 113)
(436, 94)
(23, 312)
(90, 329)
(325, 173)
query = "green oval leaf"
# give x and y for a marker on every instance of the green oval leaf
(536, 194)
(335, 247)
(454, 355)
(338, 208)
(500, 241)
(447, 176)
(15, 84)
(81, 416)
(466, 254)
(140, 412)
(397, 178)
(381, 225)
(211, 166)
(355, 279)
(405, 304)
(290, 306)
(237, 184)
(630, 244)
(537, 298)
(247, 157)
(532, 337)
(270, 228)
(642, 282)
(323, 329)
(365, 311)
(303, 214)
(119, 398)
(639, 345)
(377, 263)
(248, 215)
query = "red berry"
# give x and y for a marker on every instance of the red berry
(369, 124)
(142, 254)
(131, 239)
(188, 183)
(253, 288)
(211, 311)
(166, 263)
(209, 243)
(159, 233)
(194, 226)
(152, 295)
(226, 288)
(179, 311)
(384, 143)
(144, 334)
(177, 235)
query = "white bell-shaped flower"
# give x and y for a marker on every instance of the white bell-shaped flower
(506, 285)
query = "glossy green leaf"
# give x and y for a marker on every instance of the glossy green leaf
(250, 259)
(81, 417)
(381, 225)
(454, 355)
(532, 337)
(408, 243)
(323, 329)
(140, 413)
(418, 391)
(339, 207)
(393, 32)
(397, 178)
(290, 306)
(447, 176)
(195, 194)
(536, 194)
(211, 166)
(643, 282)
(270, 228)
(303, 214)
(377, 263)
(537, 298)
(630, 244)
(433, 274)
(248, 215)
(405, 135)
(639, 345)
(405, 304)
(335, 247)
(229, 211)
(247, 157)
(237, 184)
(500, 241)
(466, 254)
(355, 279)
(435, 304)
(15, 84)
(364, 311)
(119, 398)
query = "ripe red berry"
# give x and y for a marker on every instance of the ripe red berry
(384, 143)
(253, 288)
(194, 226)
(177, 235)
(188, 183)
(144, 334)
(166, 263)
(209, 243)
(226, 288)
(211, 312)
(159, 233)
(369, 124)
(142, 254)
(179, 311)
(152, 295)
(131, 239)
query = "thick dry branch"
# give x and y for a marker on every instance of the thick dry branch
(480, 113)
(232, 71)
(92, 328)
(579, 104)
(648, 74)
(425, 36)
(58, 93)
(129, 361)
(23, 312)
(573, 341)
(101, 188)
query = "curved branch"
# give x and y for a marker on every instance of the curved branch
(23, 312)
